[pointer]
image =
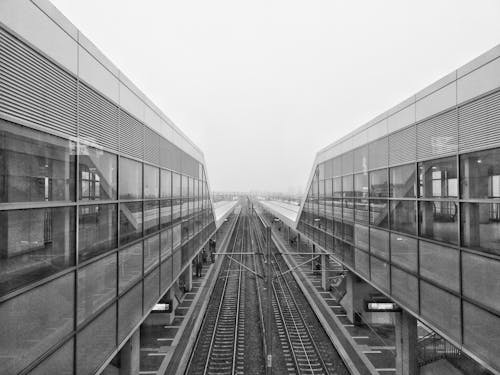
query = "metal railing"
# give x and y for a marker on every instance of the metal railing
(433, 347)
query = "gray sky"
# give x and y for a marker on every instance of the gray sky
(261, 86)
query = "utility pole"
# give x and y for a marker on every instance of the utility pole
(269, 362)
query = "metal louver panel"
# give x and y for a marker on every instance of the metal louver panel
(438, 135)
(34, 89)
(151, 146)
(479, 123)
(131, 136)
(98, 118)
(402, 146)
(378, 153)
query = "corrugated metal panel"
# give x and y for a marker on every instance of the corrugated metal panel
(131, 136)
(151, 146)
(402, 146)
(479, 123)
(34, 89)
(97, 119)
(378, 153)
(438, 135)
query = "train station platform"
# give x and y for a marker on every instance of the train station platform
(286, 212)
(222, 210)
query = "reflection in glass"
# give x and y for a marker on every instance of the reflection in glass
(439, 220)
(151, 252)
(35, 166)
(402, 181)
(480, 174)
(34, 244)
(97, 174)
(165, 213)
(151, 182)
(481, 226)
(130, 179)
(166, 244)
(438, 178)
(97, 230)
(347, 186)
(440, 264)
(403, 216)
(166, 184)
(379, 212)
(404, 251)
(361, 185)
(130, 221)
(379, 243)
(176, 185)
(379, 184)
(151, 216)
(129, 266)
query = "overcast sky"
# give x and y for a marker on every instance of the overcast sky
(261, 86)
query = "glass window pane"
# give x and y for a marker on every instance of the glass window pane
(438, 178)
(380, 273)
(379, 243)
(130, 221)
(481, 226)
(34, 244)
(97, 174)
(151, 252)
(440, 308)
(347, 186)
(361, 159)
(35, 321)
(176, 211)
(130, 179)
(439, 221)
(151, 182)
(35, 166)
(440, 264)
(96, 342)
(480, 174)
(379, 184)
(166, 244)
(361, 210)
(482, 333)
(185, 187)
(404, 251)
(405, 288)
(97, 230)
(166, 184)
(129, 311)
(361, 185)
(151, 216)
(361, 237)
(96, 286)
(402, 181)
(176, 185)
(165, 213)
(403, 216)
(151, 289)
(348, 209)
(337, 187)
(480, 280)
(60, 362)
(130, 266)
(379, 212)
(166, 274)
(362, 262)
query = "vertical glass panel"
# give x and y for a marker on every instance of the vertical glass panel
(405, 288)
(184, 208)
(151, 182)
(166, 184)
(34, 244)
(96, 342)
(361, 240)
(379, 243)
(481, 226)
(337, 187)
(35, 166)
(96, 286)
(440, 264)
(151, 252)
(361, 185)
(185, 186)
(130, 221)
(379, 213)
(361, 159)
(165, 213)
(166, 274)
(176, 262)
(129, 311)
(441, 308)
(166, 244)
(176, 235)
(380, 273)
(97, 230)
(439, 220)
(35, 321)
(379, 184)
(130, 179)
(176, 211)
(151, 216)
(402, 181)
(480, 280)
(348, 209)
(362, 262)
(176, 185)
(347, 162)
(482, 333)
(347, 186)
(329, 188)
(60, 362)
(151, 289)
(97, 174)
(438, 178)
(348, 234)
(337, 208)
(403, 216)
(361, 214)
(480, 174)
(184, 231)
(404, 251)
(130, 266)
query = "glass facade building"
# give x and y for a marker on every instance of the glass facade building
(410, 202)
(100, 210)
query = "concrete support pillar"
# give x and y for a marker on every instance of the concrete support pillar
(406, 342)
(130, 355)
(325, 268)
